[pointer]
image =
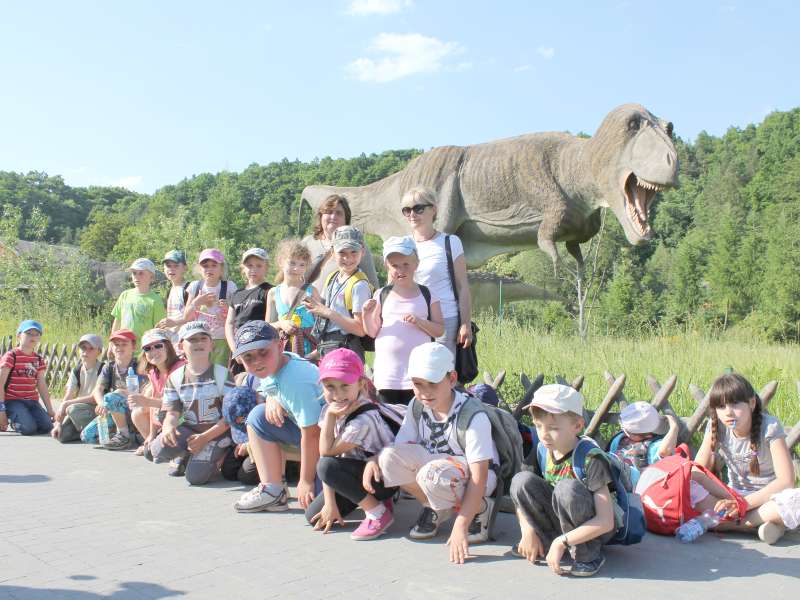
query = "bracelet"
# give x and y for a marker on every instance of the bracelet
(565, 541)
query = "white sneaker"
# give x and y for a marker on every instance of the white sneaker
(769, 532)
(259, 499)
(478, 531)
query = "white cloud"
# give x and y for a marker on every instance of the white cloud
(404, 55)
(522, 68)
(546, 52)
(129, 182)
(377, 7)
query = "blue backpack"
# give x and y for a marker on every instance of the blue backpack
(633, 524)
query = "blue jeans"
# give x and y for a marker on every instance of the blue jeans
(28, 417)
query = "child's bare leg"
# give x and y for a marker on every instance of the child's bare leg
(416, 491)
(268, 458)
(141, 418)
(119, 420)
(369, 502)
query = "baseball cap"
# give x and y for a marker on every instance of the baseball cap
(29, 324)
(342, 364)
(143, 264)
(252, 336)
(642, 417)
(212, 254)
(557, 399)
(192, 328)
(236, 405)
(178, 256)
(94, 340)
(156, 335)
(485, 393)
(430, 361)
(404, 245)
(123, 334)
(257, 252)
(347, 237)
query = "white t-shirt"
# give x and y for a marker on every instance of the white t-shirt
(213, 315)
(432, 270)
(175, 303)
(336, 287)
(440, 437)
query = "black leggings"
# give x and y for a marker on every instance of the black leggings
(344, 476)
(396, 396)
(236, 468)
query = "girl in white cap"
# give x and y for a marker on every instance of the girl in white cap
(645, 437)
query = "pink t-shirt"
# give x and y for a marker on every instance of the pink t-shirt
(396, 339)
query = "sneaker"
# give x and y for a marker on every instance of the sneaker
(369, 529)
(769, 533)
(478, 530)
(259, 499)
(587, 569)
(120, 441)
(428, 523)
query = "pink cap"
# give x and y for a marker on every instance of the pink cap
(213, 254)
(342, 364)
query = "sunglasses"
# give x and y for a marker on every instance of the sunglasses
(157, 346)
(417, 208)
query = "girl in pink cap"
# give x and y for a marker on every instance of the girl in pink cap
(353, 430)
(208, 300)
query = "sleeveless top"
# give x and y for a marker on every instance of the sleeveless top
(301, 317)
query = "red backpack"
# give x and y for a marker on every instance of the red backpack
(664, 490)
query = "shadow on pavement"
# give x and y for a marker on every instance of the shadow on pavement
(23, 478)
(128, 590)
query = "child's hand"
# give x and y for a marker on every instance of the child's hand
(459, 546)
(274, 412)
(61, 412)
(136, 400)
(727, 506)
(288, 327)
(530, 546)
(223, 304)
(206, 299)
(465, 336)
(3, 421)
(557, 549)
(369, 306)
(55, 431)
(411, 319)
(327, 518)
(315, 307)
(101, 411)
(166, 322)
(241, 450)
(51, 413)
(170, 436)
(372, 472)
(305, 493)
(196, 443)
(337, 409)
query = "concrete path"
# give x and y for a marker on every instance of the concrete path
(83, 524)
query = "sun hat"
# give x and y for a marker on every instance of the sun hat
(123, 334)
(252, 336)
(347, 237)
(142, 264)
(211, 254)
(156, 335)
(557, 399)
(29, 324)
(257, 252)
(642, 417)
(404, 245)
(430, 361)
(236, 405)
(193, 328)
(94, 340)
(177, 256)
(342, 364)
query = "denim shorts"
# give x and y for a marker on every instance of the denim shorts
(288, 434)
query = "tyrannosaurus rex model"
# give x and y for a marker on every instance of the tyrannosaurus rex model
(539, 188)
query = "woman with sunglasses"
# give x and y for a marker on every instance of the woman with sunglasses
(332, 214)
(418, 206)
(157, 361)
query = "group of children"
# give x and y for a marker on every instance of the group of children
(240, 381)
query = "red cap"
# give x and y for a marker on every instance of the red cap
(123, 334)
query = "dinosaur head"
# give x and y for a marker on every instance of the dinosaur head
(634, 159)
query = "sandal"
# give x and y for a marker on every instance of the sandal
(140, 451)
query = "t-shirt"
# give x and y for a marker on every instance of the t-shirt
(441, 437)
(639, 454)
(197, 399)
(157, 382)
(735, 452)
(333, 295)
(396, 339)
(175, 303)
(368, 431)
(214, 316)
(114, 378)
(249, 304)
(87, 381)
(24, 371)
(596, 469)
(432, 271)
(296, 386)
(138, 312)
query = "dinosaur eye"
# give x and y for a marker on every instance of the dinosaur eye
(634, 123)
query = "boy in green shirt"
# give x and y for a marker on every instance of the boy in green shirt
(140, 308)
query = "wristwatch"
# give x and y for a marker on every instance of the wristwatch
(565, 541)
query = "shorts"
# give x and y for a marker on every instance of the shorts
(697, 493)
(788, 503)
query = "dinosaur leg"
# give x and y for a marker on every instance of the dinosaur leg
(574, 248)
(547, 244)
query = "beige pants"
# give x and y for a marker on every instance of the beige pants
(442, 477)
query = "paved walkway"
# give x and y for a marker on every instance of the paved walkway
(85, 524)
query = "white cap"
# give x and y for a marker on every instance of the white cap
(143, 264)
(404, 245)
(257, 252)
(156, 335)
(558, 399)
(94, 340)
(430, 361)
(642, 417)
(192, 328)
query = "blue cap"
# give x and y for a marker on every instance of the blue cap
(236, 405)
(29, 324)
(485, 393)
(252, 336)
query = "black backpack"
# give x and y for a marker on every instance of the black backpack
(223, 290)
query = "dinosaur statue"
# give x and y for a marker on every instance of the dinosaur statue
(538, 188)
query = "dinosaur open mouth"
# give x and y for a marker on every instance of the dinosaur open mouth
(639, 194)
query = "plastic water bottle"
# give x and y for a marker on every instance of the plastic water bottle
(694, 528)
(103, 435)
(132, 382)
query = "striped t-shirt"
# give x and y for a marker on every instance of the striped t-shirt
(24, 371)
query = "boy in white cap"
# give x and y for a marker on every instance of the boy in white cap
(645, 437)
(77, 409)
(428, 461)
(557, 512)
(139, 308)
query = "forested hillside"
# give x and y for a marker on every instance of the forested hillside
(725, 254)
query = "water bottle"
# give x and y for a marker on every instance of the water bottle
(132, 382)
(103, 435)
(694, 528)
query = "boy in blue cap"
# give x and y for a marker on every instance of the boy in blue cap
(22, 383)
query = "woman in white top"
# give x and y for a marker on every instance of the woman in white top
(419, 208)
(332, 214)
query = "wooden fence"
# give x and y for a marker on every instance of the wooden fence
(61, 359)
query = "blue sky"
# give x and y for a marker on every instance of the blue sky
(143, 94)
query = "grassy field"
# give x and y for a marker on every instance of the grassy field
(519, 349)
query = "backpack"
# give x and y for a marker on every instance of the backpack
(426, 293)
(632, 529)
(505, 435)
(664, 489)
(367, 343)
(637, 466)
(223, 289)
(76, 371)
(392, 415)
